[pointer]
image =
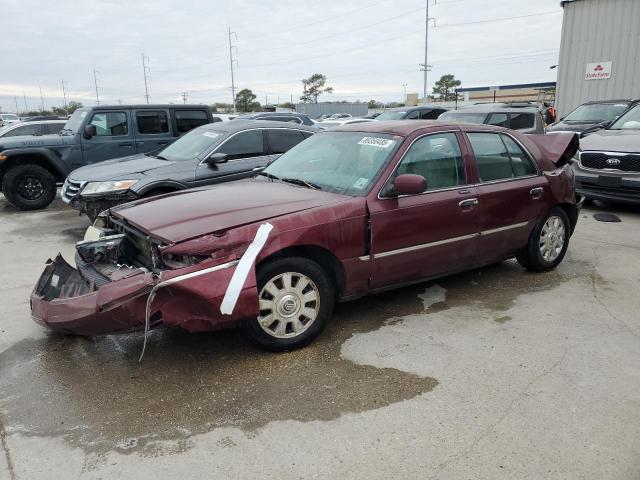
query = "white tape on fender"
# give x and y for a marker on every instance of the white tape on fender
(242, 270)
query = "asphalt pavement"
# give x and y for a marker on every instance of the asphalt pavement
(494, 373)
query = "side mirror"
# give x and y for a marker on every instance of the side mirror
(90, 131)
(217, 158)
(409, 184)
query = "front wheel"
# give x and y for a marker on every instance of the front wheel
(29, 187)
(296, 300)
(548, 242)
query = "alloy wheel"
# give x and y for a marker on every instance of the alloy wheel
(30, 187)
(552, 238)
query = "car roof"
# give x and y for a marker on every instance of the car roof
(239, 124)
(272, 113)
(37, 122)
(394, 127)
(495, 110)
(147, 106)
(415, 107)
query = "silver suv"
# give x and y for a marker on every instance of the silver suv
(522, 119)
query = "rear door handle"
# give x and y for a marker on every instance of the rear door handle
(536, 192)
(469, 202)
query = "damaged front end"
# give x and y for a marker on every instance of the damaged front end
(122, 283)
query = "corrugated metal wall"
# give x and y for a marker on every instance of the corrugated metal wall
(598, 31)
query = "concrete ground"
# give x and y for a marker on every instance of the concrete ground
(495, 373)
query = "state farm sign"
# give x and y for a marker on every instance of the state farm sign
(598, 71)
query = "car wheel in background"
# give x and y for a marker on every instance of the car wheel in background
(29, 187)
(295, 298)
(548, 242)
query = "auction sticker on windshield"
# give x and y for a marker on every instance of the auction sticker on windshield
(376, 142)
(211, 134)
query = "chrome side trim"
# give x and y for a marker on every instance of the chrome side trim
(365, 258)
(425, 245)
(448, 240)
(502, 229)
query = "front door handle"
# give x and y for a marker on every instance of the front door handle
(536, 192)
(469, 202)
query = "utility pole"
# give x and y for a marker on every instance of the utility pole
(404, 86)
(15, 99)
(41, 99)
(184, 97)
(24, 97)
(425, 65)
(231, 60)
(64, 95)
(95, 82)
(144, 71)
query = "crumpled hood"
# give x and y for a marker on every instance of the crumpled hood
(612, 141)
(30, 141)
(187, 214)
(118, 168)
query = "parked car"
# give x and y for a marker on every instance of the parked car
(42, 127)
(523, 119)
(421, 112)
(341, 121)
(213, 153)
(607, 166)
(8, 119)
(30, 167)
(346, 213)
(279, 117)
(591, 116)
(336, 116)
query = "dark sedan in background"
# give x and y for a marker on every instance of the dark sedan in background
(209, 154)
(591, 116)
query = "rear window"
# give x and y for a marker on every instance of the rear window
(463, 117)
(189, 119)
(522, 120)
(152, 122)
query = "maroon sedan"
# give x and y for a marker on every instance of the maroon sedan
(346, 213)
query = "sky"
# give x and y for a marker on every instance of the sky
(368, 49)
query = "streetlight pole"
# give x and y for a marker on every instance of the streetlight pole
(425, 65)
(404, 86)
(231, 60)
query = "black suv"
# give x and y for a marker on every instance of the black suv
(214, 153)
(30, 167)
(421, 112)
(591, 116)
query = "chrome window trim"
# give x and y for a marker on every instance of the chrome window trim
(445, 241)
(395, 168)
(607, 170)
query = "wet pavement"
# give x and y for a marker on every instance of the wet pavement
(494, 373)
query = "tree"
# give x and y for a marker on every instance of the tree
(313, 87)
(373, 104)
(68, 110)
(445, 87)
(288, 105)
(245, 101)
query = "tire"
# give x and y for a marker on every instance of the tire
(548, 242)
(29, 186)
(291, 306)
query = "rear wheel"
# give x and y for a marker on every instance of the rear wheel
(29, 187)
(548, 242)
(295, 298)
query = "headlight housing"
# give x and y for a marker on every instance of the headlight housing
(93, 188)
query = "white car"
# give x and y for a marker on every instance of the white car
(40, 127)
(338, 122)
(8, 119)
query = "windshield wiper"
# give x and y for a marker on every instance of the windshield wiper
(303, 183)
(270, 176)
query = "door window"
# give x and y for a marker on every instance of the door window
(492, 158)
(55, 127)
(189, 119)
(24, 130)
(520, 161)
(413, 115)
(520, 121)
(152, 122)
(499, 120)
(281, 140)
(110, 123)
(243, 144)
(437, 158)
(429, 114)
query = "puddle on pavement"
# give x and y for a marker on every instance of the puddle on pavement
(95, 394)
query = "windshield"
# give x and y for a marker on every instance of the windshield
(596, 113)
(74, 122)
(193, 145)
(347, 163)
(463, 117)
(392, 115)
(628, 121)
(9, 117)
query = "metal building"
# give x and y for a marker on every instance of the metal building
(314, 110)
(599, 52)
